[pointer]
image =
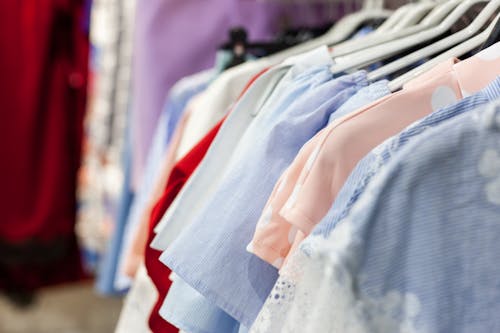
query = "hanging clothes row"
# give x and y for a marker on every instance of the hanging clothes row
(345, 184)
(101, 174)
(125, 109)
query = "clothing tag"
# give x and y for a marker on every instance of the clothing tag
(318, 56)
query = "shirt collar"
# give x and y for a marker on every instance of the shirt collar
(471, 74)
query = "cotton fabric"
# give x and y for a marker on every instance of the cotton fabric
(178, 177)
(272, 254)
(310, 186)
(183, 305)
(429, 271)
(273, 315)
(223, 225)
(208, 175)
(381, 155)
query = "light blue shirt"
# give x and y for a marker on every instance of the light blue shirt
(181, 305)
(187, 309)
(362, 98)
(420, 248)
(185, 306)
(205, 180)
(210, 253)
(264, 94)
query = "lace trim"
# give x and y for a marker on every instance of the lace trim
(320, 294)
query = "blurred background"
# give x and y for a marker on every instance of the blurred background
(83, 85)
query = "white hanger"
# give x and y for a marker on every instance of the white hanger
(342, 30)
(439, 46)
(435, 17)
(414, 16)
(372, 4)
(346, 26)
(455, 52)
(377, 53)
(394, 18)
(431, 20)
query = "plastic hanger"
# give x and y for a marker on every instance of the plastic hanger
(348, 25)
(431, 20)
(373, 4)
(383, 51)
(343, 29)
(455, 52)
(476, 25)
(240, 47)
(436, 15)
(414, 16)
(394, 18)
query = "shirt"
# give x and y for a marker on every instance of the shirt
(294, 271)
(193, 192)
(272, 254)
(373, 162)
(189, 310)
(183, 303)
(311, 184)
(201, 314)
(362, 98)
(433, 270)
(223, 226)
(208, 175)
(180, 173)
(133, 254)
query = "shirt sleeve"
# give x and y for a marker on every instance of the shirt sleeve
(274, 236)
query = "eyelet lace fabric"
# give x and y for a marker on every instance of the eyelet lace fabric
(292, 305)
(320, 291)
(321, 294)
(339, 283)
(274, 314)
(313, 294)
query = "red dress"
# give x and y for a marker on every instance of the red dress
(43, 66)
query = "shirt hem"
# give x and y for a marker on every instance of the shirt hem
(295, 217)
(207, 292)
(259, 249)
